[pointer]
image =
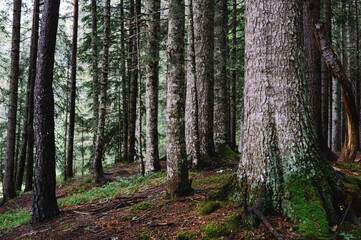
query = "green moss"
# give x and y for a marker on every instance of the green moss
(229, 191)
(143, 206)
(306, 209)
(352, 187)
(234, 222)
(143, 235)
(210, 182)
(215, 231)
(185, 236)
(350, 166)
(224, 151)
(205, 208)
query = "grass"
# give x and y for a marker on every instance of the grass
(123, 186)
(13, 219)
(215, 231)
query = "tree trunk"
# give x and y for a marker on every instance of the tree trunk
(357, 80)
(191, 108)
(133, 87)
(69, 160)
(204, 47)
(221, 120)
(44, 201)
(99, 146)
(9, 187)
(233, 94)
(124, 85)
(177, 170)
(281, 167)
(95, 71)
(152, 83)
(351, 144)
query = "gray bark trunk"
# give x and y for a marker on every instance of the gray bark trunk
(95, 71)
(233, 93)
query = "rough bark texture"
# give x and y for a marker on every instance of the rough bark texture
(9, 179)
(233, 93)
(152, 83)
(357, 63)
(99, 145)
(221, 103)
(95, 71)
(69, 159)
(351, 144)
(177, 170)
(124, 85)
(191, 109)
(325, 73)
(27, 148)
(280, 163)
(203, 14)
(44, 201)
(133, 88)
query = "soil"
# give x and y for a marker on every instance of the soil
(114, 220)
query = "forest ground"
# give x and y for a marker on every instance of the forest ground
(135, 207)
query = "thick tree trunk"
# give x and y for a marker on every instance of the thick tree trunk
(351, 144)
(233, 93)
(133, 87)
(69, 160)
(221, 116)
(95, 71)
(204, 47)
(152, 83)
(44, 201)
(177, 170)
(99, 146)
(9, 185)
(357, 75)
(191, 109)
(281, 167)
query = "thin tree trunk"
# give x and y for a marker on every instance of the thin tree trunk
(9, 186)
(95, 71)
(357, 80)
(69, 165)
(44, 200)
(204, 48)
(82, 148)
(97, 162)
(152, 84)
(66, 124)
(191, 112)
(177, 178)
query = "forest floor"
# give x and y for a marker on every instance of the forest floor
(135, 207)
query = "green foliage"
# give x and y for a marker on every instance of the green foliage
(215, 231)
(347, 236)
(205, 208)
(224, 151)
(350, 166)
(185, 236)
(14, 218)
(143, 206)
(234, 222)
(306, 209)
(112, 189)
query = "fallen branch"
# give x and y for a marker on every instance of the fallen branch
(331, 58)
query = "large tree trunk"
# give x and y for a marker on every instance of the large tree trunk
(281, 167)
(44, 201)
(69, 160)
(99, 145)
(9, 186)
(177, 170)
(152, 83)
(351, 144)
(95, 71)
(133, 87)
(204, 47)
(357, 75)
(221, 103)
(191, 109)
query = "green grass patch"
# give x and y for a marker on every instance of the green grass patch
(185, 236)
(13, 219)
(350, 166)
(143, 206)
(215, 231)
(124, 186)
(210, 182)
(205, 208)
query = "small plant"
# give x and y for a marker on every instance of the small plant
(143, 206)
(185, 236)
(214, 231)
(208, 207)
(14, 218)
(347, 236)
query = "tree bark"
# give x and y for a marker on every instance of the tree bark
(97, 162)
(221, 103)
(233, 93)
(357, 80)
(44, 200)
(95, 71)
(281, 162)
(351, 144)
(124, 84)
(191, 108)
(177, 170)
(69, 164)
(204, 48)
(9, 186)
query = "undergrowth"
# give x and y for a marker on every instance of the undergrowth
(13, 219)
